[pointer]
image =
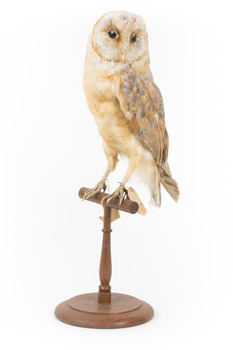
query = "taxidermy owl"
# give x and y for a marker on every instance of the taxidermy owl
(127, 105)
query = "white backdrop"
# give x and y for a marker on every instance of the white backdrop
(178, 258)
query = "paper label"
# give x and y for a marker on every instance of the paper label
(115, 214)
(133, 196)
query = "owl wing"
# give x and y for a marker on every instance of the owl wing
(141, 103)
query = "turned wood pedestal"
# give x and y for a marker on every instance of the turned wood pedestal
(105, 309)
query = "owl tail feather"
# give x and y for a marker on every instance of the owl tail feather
(155, 188)
(156, 197)
(169, 184)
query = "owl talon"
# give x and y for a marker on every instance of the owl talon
(93, 191)
(120, 192)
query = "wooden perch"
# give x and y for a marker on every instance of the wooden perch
(127, 205)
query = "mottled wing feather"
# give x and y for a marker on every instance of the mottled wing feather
(142, 104)
(154, 92)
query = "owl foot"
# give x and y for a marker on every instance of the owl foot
(93, 191)
(120, 192)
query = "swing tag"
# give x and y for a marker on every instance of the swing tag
(115, 214)
(133, 196)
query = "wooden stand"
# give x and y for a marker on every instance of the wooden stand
(105, 309)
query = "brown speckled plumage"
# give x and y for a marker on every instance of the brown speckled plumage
(141, 107)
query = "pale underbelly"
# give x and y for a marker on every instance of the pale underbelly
(122, 138)
(118, 134)
(117, 131)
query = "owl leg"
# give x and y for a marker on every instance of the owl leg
(112, 159)
(121, 191)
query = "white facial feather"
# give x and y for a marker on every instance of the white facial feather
(121, 48)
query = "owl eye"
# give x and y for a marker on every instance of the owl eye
(133, 38)
(112, 34)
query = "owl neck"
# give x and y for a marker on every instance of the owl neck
(143, 65)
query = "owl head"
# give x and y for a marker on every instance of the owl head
(120, 36)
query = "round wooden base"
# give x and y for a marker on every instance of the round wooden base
(85, 311)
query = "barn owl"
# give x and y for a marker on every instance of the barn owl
(127, 105)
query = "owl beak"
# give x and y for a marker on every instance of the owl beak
(123, 53)
(123, 59)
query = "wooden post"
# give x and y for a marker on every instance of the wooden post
(104, 295)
